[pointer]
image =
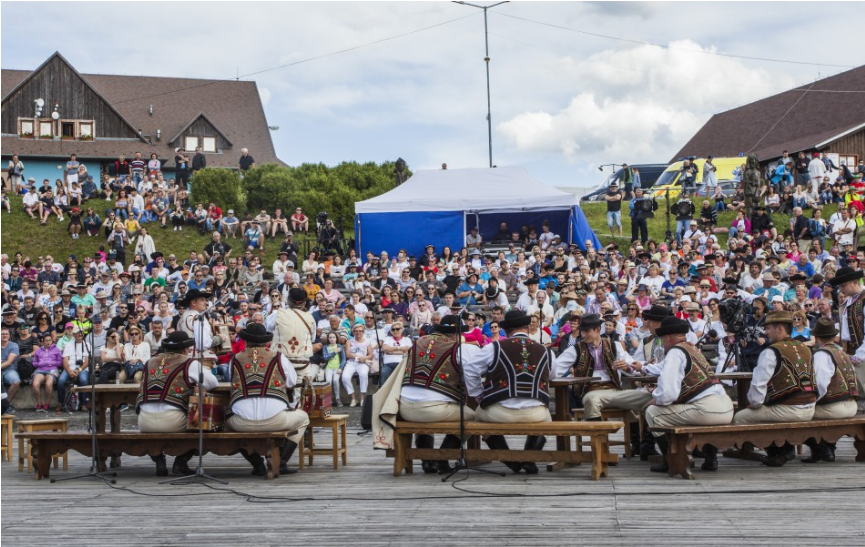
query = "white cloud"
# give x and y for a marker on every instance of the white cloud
(264, 95)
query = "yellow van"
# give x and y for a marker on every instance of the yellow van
(669, 179)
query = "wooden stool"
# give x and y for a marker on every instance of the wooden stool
(339, 425)
(25, 459)
(6, 437)
(611, 414)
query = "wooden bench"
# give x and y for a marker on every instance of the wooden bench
(6, 437)
(134, 443)
(599, 456)
(683, 439)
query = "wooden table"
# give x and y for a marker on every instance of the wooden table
(562, 388)
(742, 379)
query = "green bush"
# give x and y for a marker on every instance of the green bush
(221, 186)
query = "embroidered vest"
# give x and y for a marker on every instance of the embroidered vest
(843, 384)
(793, 380)
(585, 366)
(293, 335)
(698, 374)
(856, 323)
(165, 381)
(255, 373)
(432, 365)
(521, 370)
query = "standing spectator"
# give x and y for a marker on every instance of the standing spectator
(246, 162)
(199, 160)
(70, 174)
(154, 166)
(121, 169)
(710, 177)
(816, 169)
(137, 167)
(181, 163)
(688, 178)
(16, 175)
(614, 208)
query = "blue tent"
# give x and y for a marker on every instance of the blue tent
(439, 207)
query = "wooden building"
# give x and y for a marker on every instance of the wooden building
(100, 117)
(826, 116)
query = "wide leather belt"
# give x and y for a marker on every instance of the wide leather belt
(601, 385)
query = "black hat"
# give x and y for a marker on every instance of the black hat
(514, 319)
(451, 324)
(255, 333)
(730, 280)
(194, 294)
(799, 276)
(657, 313)
(644, 254)
(297, 295)
(156, 254)
(177, 341)
(590, 321)
(532, 281)
(673, 325)
(492, 292)
(825, 328)
(844, 275)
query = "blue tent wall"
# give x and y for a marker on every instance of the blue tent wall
(581, 231)
(411, 231)
(489, 222)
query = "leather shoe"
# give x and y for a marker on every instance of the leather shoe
(530, 468)
(284, 469)
(829, 453)
(181, 468)
(711, 461)
(161, 467)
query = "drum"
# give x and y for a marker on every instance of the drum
(318, 400)
(213, 415)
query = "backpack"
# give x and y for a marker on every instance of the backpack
(816, 229)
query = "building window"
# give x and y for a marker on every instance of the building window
(25, 127)
(849, 160)
(190, 143)
(85, 130)
(208, 144)
(46, 129)
(67, 129)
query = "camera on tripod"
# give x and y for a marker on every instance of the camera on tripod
(321, 218)
(684, 208)
(734, 313)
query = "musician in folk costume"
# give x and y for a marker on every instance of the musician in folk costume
(852, 318)
(509, 379)
(163, 403)
(259, 402)
(687, 392)
(783, 387)
(837, 388)
(605, 361)
(293, 331)
(651, 350)
(195, 324)
(431, 390)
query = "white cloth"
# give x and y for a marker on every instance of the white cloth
(262, 408)
(390, 341)
(141, 352)
(766, 364)
(670, 381)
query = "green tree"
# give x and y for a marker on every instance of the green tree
(221, 186)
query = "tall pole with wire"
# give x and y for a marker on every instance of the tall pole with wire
(487, 63)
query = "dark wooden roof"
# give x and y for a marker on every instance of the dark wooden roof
(816, 118)
(232, 107)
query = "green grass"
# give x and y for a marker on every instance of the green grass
(19, 233)
(596, 214)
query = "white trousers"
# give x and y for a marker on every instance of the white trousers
(331, 376)
(836, 411)
(628, 399)
(772, 414)
(281, 421)
(433, 411)
(362, 370)
(496, 413)
(710, 410)
(167, 421)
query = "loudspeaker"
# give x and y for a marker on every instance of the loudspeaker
(366, 413)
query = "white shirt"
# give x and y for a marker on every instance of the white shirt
(766, 364)
(395, 358)
(824, 370)
(75, 351)
(141, 352)
(479, 364)
(31, 198)
(192, 372)
(262, 408)
(670, 380)
(464, 353)
(816, 168)
(841, 224)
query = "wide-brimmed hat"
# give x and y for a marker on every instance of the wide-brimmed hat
(657, 313)
(825, 328)
(255, 333)
(590, 321)
(798, 277)
(177, 341)
(673, 325)
(297, 295)
(780, 316)
(194, 294)
(845, 274)
(492, 292)
(451, 324)
(514, 319)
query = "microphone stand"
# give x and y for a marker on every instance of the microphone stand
(462, 462)
(95, 464)
(199, 476)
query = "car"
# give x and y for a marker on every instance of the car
(649, 173)
(727, 171)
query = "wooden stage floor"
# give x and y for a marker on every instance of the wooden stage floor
(362, 504)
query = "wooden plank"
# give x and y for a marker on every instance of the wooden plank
(539, 428)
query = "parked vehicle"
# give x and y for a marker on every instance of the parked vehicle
(649, 173)
(727, 175)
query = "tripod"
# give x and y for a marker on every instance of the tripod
(462, 462)
(668, 235)
(95, 465)
(199, 476)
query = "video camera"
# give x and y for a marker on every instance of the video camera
(683, 207)
(321, 217)
(734, 312)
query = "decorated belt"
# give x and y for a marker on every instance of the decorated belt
(304, 362)
(601, 385)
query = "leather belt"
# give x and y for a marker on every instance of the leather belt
(601, 385)
(295, 362)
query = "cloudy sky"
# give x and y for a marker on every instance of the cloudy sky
(564, 98)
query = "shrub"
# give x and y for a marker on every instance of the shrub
(221, 186)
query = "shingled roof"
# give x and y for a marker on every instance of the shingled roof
(815, 120)
(232, 107)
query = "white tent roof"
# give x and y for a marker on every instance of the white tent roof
(482, 190)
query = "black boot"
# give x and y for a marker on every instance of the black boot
(647, 444)
(257, 462)
(776, 457)
(828, 451)
(181, 464)
(285, 454)
(634, 436)
(161, 467)
(451, 441)
(711, 461)
(426, 441)
(498, 442)
(664, 445)
(816, 451)
(534, 442)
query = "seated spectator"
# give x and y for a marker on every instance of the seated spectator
(278, 223)
(299, 221)
(708, 217)
(230, 224)
(47, 363)
(137, 353)
(76, 359)
(253, 238)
